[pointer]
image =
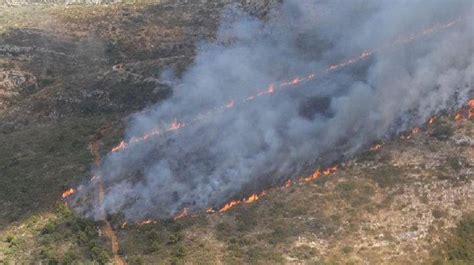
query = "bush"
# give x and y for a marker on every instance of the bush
(458, 249)
(442, 132)
(438, 213)
(135, 260)
(454, 163)
(387, 176)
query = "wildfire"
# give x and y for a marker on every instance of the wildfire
(147, 222)
(273, 87)
(294, 82)
(230, 205)
(329, 171)
(68, 193)
(119, 147)
(231, 104)
(298, 80)
(415, 130)
(431, 120)
(175, 125)
(181, 214)
(458, 117)
(375, 147)
(471, 109)
(410, 134)
(250, 98)
(253, 198)
(288, 184)
(316, 174)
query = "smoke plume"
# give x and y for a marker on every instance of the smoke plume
(228, 152)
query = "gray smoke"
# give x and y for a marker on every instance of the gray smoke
(228, 153)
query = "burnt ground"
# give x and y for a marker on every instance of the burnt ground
(70, 73)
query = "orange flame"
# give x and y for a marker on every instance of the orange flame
(316, 174)
(119, 147)
(458, 117)
(431, 120)
(410, 134)
(181, 214)
(415, 130)
(288, 184)
(330, 170)
(68, 193)
(471, 109)
(175, 125)
(146, 222)
(375, 147)
(297, 80)
(230, 205)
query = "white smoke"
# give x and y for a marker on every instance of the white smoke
(229, 153)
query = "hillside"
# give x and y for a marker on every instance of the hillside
(70, 76)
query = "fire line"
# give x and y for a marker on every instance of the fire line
(462, 115)
(273, 87)
(105, 224)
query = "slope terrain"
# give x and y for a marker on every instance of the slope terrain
(70, 76)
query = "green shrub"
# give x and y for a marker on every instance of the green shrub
(387, 176)
(441, 131)
(347, 249)
(458, 248)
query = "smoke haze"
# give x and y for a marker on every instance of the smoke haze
(231, 152)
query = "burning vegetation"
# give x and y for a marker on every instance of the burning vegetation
(217, 144)
(328, 149)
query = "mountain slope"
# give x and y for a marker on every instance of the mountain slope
(72, 75)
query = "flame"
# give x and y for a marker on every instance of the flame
(458, 117)
(366, 54)
(231, 104)
(293, 82)
(256, 196)
(329, 170)
(183, 213)
(471, 109)
(431, 120)
(148, 221)
(298, 80)
(175, 125)
(288, 184)
(271, 88)
(119, 147)
(250, 98)
(375, 147)
(230, 205)
(68, 193)
(316, 174)
(251, 198)
(410, 134)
